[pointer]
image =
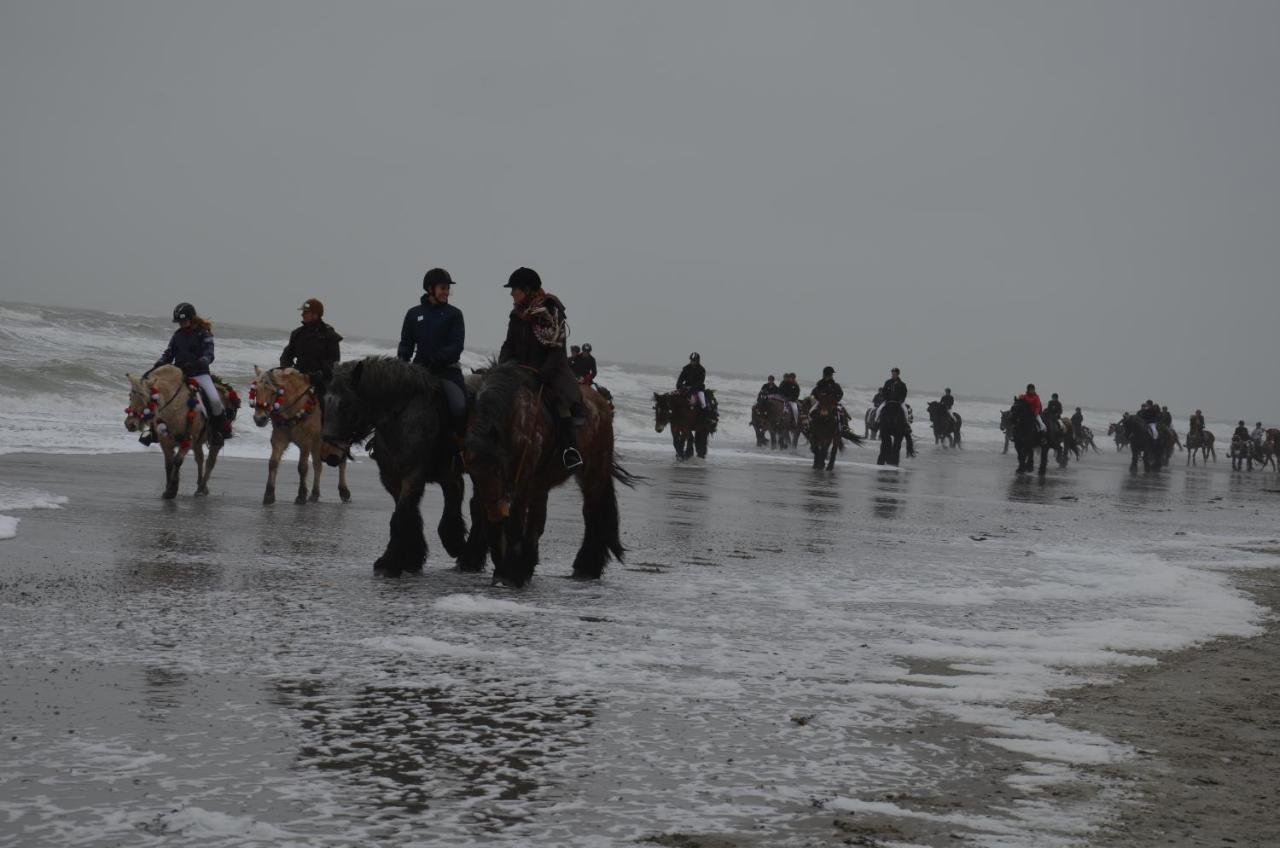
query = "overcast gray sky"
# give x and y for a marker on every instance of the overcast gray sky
(1085, 195)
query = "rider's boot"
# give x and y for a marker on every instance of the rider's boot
(217, 427)
(148, 437)
(567, 444)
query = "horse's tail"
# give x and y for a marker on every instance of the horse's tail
(624, 476)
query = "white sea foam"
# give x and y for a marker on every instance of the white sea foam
(8, 527)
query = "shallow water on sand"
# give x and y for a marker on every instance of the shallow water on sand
(778, 640)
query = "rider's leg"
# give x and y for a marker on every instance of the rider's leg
(217, 423)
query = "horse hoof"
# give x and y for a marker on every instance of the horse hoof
(201, 493)
(169, 494)
(345, 494)
(315, 497)
(300, 499)
(269, 498)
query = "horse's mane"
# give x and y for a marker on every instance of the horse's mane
(377, 378)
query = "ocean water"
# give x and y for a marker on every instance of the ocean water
(780, 647)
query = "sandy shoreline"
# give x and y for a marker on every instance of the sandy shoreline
(1202, 719)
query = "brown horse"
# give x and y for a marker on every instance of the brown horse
(1200, 441)
(285, 399)
(511, 456)
(169, 405)
(689, 425)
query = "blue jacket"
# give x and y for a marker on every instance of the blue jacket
(191, 350)
(437, 333)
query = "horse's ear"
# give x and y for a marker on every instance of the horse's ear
(133, 381)
(356, 374)
(257, 372)
(656, 397)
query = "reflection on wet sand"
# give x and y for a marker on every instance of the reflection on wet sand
(407, 747)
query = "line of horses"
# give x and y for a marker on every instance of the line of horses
(507, 449)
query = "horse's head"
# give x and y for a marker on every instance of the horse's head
(278, 393)
(262, 395)
(501, 444)
(661, 411)
(346, 416)
(139, 397)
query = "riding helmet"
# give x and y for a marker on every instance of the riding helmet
(1031, 387)
(524, 278)
(693, 357)
(828, 371)
(586, 348)
(184, 310)
(436, 277)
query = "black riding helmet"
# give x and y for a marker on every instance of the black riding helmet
(184, 311)
(828, 371)
(693, 357)
(586, 347)
(524, 278)
(436, 277)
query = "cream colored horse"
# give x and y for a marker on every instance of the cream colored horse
(164, 402)
(283, 398)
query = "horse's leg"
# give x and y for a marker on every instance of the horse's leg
(343, 491)
(176, 476)
(452, 529)
(316, 464)
(407, 550)
(509, 568)
(600, 536)
(700, 443)
(534, 525)
(677, 441)
(209, 462)
(832, 450)
(477, 546)
(170, 480)
(199, 454)
(278, 445)
(304, 456)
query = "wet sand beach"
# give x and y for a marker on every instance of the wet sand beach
(947, 654)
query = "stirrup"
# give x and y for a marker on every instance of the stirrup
(572, 459)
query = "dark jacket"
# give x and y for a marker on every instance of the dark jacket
(432, 335)
(693, 378)
(1077, 419)
(1166, 418)
(1149, 414)
(947, 402)
(770, 389)
(1197, 423)
(522, 344)
(827, 387)
(313, 349)
(789, 390)
(1241, 433)
(894, 389)
(191, 350)
(1053, 410)
(584, 367)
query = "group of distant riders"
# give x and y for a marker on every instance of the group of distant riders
(433, 335)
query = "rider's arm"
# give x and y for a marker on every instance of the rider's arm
(166, 357)
(407, 342)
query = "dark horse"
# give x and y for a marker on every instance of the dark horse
(827, 428)
(689, 425)
(946, 424)
(893, 428)
(1020, 425)
(779, 423)
(513, 462)
(405, 408)
(1154, 450)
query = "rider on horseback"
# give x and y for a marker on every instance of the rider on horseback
(1258, 435)
(947, 400)
(1032, 400)
(313, 348)
(1241, 432)
(693, 382)
(1149, 414)
(191, 349)
(1077, 420)
(893, 390)
(1196, 423)
(536, 335)
(1053, 409)
(586, 369)
(432, 336)
(790, 391)
(769, 389)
